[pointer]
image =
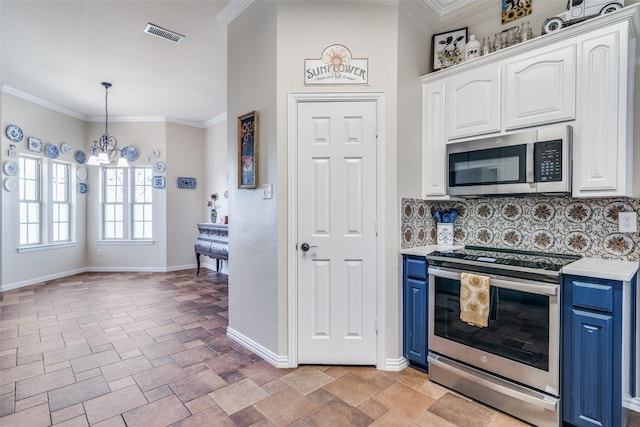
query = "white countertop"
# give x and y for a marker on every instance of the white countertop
(426, 250)
(613, 269)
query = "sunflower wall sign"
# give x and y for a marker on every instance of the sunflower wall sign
(514, 9)
(336, 66)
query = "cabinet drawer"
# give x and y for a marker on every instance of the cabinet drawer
(416, 268)
(203, 246)
(593, 295)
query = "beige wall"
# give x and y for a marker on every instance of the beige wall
(123, 256)
(175, 211)
(51, 127)
(253, 280)
(369, 31)
(217, 180)
(258, 276)
(185, 148)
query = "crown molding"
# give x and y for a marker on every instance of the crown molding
(444, 7)
(215, 120)
(43, 103)
(123, 119)
(232, 11)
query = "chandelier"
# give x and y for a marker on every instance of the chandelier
(105, 151)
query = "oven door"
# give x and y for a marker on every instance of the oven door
(521, 341)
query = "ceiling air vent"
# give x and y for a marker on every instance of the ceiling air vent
(163, 33)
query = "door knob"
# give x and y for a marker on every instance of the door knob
(305, 247)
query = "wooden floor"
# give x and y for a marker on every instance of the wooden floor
(150, 349)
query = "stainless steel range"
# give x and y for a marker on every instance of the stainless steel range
(513, 363)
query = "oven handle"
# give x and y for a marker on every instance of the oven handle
(500, 282)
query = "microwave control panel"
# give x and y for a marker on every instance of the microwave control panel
(548, 161)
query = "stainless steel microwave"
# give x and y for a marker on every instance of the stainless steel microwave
(534, 161)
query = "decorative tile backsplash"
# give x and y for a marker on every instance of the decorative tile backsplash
(588, 227)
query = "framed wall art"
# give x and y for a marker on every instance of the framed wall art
(515, 9)
(448, 48)
(247, 150)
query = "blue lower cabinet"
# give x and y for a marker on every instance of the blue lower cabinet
(592, 352)
(415, 309)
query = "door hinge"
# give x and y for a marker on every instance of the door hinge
(376, 324)
(375, 225)
(377, 130)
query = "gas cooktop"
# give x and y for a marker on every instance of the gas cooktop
(497, 259)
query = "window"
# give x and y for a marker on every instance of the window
(45, 201)
(127, 203)
(142, 207)
(60, 202)
(30, 183)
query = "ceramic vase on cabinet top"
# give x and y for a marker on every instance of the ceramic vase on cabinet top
(472, 48)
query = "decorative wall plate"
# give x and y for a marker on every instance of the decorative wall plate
(10, 168)
(35, 145)
(14, 133)
(80, 157)
(158, 167)
(93, 150)
(158, 182)
(65, 148)
(184, 182)
(51, 151)
(11, 184)
(130, 153)
(155, 153)
(82, 187)
(81, 173)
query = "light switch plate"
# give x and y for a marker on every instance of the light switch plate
(267, 191)
(627, 222)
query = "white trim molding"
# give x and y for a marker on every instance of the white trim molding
(295, 99)
(396, 364)
(444, 7)
(232, 11)
(44, 103)
(259, 349)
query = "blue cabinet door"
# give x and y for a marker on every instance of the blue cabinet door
(592, 352)
(415, 308)
(415, 321)
(591, 373)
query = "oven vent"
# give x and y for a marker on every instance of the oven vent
(163, 33)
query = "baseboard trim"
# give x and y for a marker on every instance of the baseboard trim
(395, 364)
(634, 404)
(95, 269)
(260, 350)
(40, 280)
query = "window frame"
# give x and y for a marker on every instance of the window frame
(119, 225)
(44, 203)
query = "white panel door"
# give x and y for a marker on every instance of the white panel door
(337, 219)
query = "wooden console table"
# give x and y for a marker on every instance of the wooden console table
(212, 241)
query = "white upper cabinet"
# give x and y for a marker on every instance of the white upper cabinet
(583, 75)
(603, 148)
(473, 102)
(540, 88)
(434, 184)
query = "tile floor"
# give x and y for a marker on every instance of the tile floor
(150, 349)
